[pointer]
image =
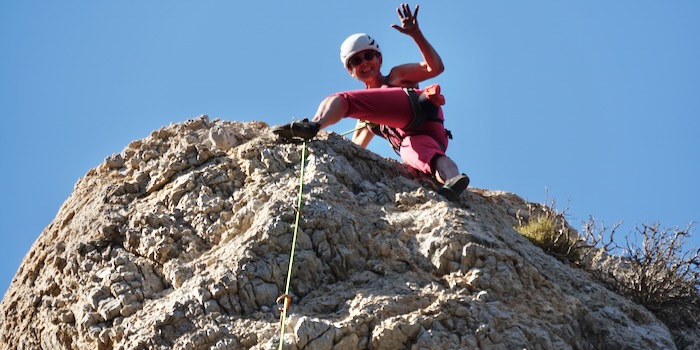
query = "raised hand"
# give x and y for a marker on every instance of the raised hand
(409, 21)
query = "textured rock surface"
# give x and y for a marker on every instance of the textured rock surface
(182, 241)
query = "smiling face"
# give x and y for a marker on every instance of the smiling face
(365, 65)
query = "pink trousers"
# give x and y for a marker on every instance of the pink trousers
(392, 107)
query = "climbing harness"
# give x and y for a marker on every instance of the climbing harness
(285, 300)
(425, 109)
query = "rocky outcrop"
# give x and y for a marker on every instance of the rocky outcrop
(182, 241)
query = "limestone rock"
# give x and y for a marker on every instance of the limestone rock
(182, 241)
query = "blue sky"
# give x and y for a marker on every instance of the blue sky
(593, 103)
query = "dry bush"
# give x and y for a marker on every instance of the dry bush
(652, 268)
(663, 273)
(655, 270)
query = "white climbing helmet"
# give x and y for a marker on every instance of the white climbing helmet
(357, 43)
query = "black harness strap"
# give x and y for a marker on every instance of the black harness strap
(423, 110)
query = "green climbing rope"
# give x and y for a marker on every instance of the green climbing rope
(362, 125)
(285, 297)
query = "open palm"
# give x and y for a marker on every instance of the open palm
(409, 21)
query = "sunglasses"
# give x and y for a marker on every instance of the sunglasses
(357, 59)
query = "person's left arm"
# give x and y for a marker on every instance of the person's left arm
(411, 74)
(362, 135)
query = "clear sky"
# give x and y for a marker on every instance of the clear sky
(593, 103)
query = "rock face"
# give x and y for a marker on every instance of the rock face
(182, 241)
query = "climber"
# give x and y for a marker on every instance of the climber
(392, 106)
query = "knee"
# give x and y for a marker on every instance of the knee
(331, 110)
(337, 102)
